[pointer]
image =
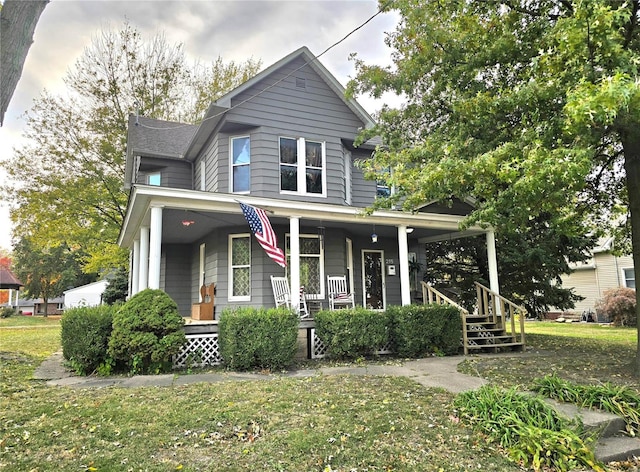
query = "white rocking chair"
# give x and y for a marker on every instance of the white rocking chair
(339, 295)
(282, 295)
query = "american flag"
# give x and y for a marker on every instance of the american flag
(262, 230)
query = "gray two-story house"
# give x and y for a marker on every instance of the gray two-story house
(282, 142)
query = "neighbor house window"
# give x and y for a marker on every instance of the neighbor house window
(240, 164)
(239, 267)
(311, 264)
(154, 179)
(302, 166)
(629, 278)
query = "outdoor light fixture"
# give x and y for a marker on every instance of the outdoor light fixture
(374, 236)
(409, 230)
(187, 223)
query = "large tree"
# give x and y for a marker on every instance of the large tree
(529, 106)
(66, 183)
(48, 272)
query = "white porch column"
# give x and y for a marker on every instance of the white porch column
(143, 280)
(493, 262)
(294, 261)
(403, 256)
(135, 268)
(155, 247)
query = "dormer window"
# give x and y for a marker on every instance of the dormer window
(154, 179)
(240, 162)
(302, 166)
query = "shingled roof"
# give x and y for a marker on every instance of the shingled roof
(8, 280)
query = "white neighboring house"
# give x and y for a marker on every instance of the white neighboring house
(602, 272)
(86, 295)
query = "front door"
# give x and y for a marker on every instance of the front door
(373, 279)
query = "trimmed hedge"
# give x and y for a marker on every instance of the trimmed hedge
(352, 333)
(258, 338)
(85, 335)
(147, 333)
(418, 330)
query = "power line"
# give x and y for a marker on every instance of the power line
(315, 58)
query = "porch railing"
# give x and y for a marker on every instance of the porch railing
(431, 295)
(503, 312)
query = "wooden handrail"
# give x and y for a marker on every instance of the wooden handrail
(487, 297)
(434, 296)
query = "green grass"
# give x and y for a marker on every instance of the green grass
(323, 423)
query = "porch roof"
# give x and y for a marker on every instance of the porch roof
(190, 214)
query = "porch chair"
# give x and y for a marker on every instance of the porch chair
(282, 295)
(339, 295)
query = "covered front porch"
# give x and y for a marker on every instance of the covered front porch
(181, 240)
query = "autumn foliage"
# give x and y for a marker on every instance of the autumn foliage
(620, 305)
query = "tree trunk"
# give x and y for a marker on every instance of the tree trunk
(46, 306)
(631, 147)
(18, 21)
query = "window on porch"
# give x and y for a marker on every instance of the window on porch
(239, 267)
(311, 264)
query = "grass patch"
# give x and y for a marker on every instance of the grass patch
(21, 320)
(584, 353)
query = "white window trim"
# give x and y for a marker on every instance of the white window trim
(302, 168)
(230, 296)
(347, 176)
(320, 295)
(624, 276)
(232, 165)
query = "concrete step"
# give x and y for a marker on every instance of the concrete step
(602, 422)
(617, 448)
(612, 445)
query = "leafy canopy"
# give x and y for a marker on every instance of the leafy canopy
(76, 148)
(530, 107)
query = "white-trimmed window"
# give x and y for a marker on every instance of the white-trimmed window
(383, 189)
(302, 166)
(239, 267)
(311, 263)
(154, 179)
(240, 155)
(629, 278)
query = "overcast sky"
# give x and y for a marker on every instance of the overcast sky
(235, 30)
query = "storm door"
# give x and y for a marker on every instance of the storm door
(373, 279)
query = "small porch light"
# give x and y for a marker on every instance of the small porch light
(188, 223)
(410, 230)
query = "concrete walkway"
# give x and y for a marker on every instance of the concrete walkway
(431, 372)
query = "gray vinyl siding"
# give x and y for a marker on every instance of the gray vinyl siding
(314, 113)
(211, 158)
(173, 172)
(363, 192)
(175, 275)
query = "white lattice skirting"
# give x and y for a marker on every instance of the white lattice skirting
(319, 350)
(200, 350)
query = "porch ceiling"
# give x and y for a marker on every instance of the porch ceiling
(189, 215)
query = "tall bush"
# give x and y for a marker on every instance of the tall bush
(258, 338)
(620, 305)
(352, 333)
(147, 332)
(85, 335)
(418, 330)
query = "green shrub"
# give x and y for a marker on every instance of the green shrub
(528, 429)
(352, 333)
(7, 311)
(258, 338)
(147, 332)
(85, 335)
(424, 329)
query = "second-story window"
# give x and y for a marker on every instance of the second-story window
(154, 179)
(240, 163)
(302, 166)
(382, 186)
